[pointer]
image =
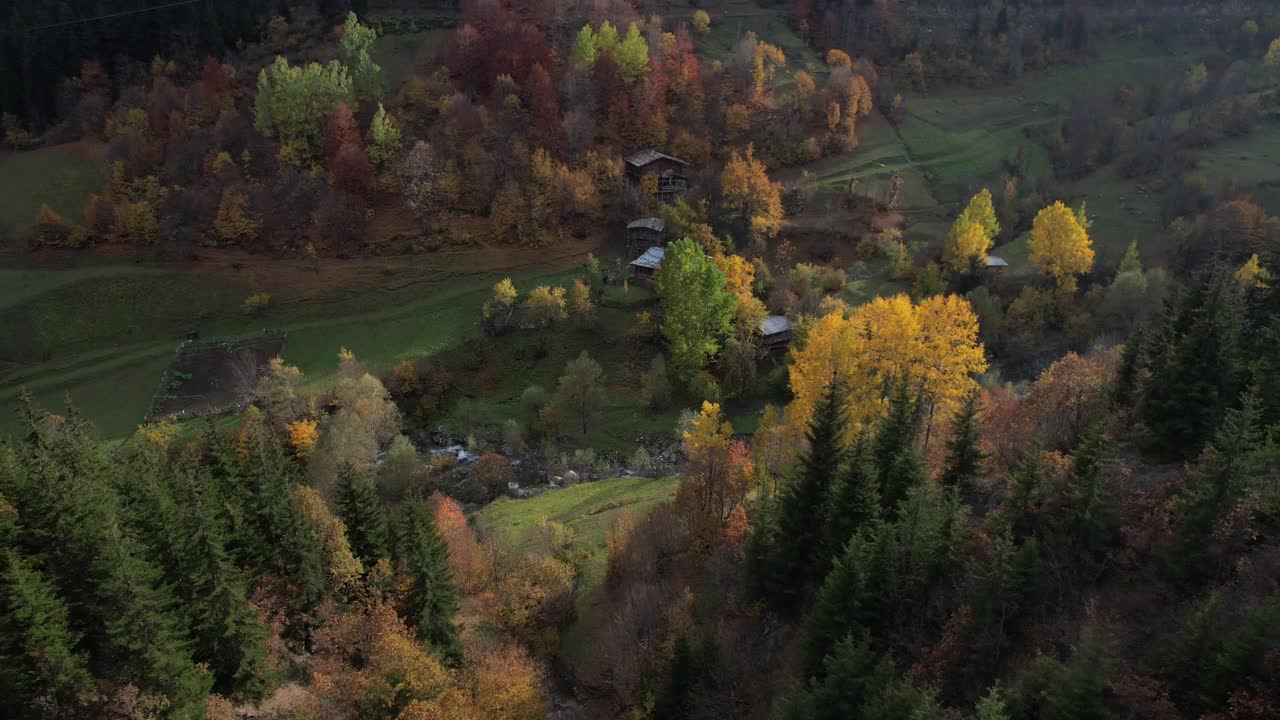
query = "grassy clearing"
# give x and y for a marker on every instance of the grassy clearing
(61, 176)
(521, 358)
(104, 335)
(956, 141)
(400, 55)
(590, 509)
(733, 20)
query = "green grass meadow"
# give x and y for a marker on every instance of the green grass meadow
(61, 176)
(102, 335)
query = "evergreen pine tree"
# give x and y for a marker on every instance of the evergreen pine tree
(803, 505)
(797, 704)
(1244, 654)
(992, 706)
(1196, 375)
(174, 509)
(1182, 664)
(761, 550)
(1090, 520)
(888, 572)
(144, 636)
(963, 464)
(853, 676)
(1129, 371)
(38, 656)
(361, 510)
(229, 635)
(681, 677)
(1000, 586)
(687, 671)
(1226, 468)
(285, 544)
(854, 502)
(894, 449)
(433, 598)
(1021, 507)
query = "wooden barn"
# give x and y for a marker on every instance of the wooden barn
(670, 172)
(646, 266)
(995, 264)
(645, 233)
(775, 331)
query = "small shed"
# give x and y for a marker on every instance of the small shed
(645, 233)
(775, 331)
(669, 170)
(995, 264)
(646, 266)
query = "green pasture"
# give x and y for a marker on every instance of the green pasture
(402, 54)
(103, 335)
(61, 176)
(520, 358)
(590, 509)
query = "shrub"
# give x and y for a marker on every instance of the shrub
(701, 22)
(405, 378)
(492, 472)
(512, 436)
(640, 461)
(534, 397)
(53, 230)
(655, 387)
(704, 386)
(256, 304)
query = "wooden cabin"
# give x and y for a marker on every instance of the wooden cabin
(645, 233)
(995, 264)
(670, 172)
(646, 266)
(775, 332)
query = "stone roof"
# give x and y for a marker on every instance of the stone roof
(774, 324)
(651, 259)
(648, 155)
(650, 223)
(993, 261)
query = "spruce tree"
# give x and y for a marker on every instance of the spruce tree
(38, 655)
(853, 676)
(144, 635)
(1129, 371)
(433, 598)
(1090, 520)
(803, 505)
(762, 548)
(285, 545)
(1196, 373)
(1000, 586)
(229, 635)
(1023, 494)
(838, 608)
(1182, 663)
(1246, 653)
(362, 511)
(894, 449)
(854, 502)
(682, 671)
(964, 461)
(1225, 471)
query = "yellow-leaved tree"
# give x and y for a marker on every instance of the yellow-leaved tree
(972, 233)
(739, 277)
(749, 191)
(934, 345)
(1060, 246)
